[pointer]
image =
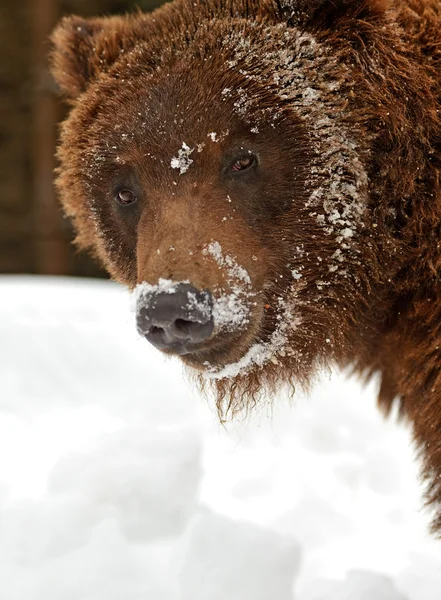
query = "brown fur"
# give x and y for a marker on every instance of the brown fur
(340, 100)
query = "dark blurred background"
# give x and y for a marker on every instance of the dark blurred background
(34, 236)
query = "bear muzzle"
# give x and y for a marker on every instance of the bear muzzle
(178, 320)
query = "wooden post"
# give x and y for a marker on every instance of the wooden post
(51, 253)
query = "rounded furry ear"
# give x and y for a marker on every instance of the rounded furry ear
(310, 11)
(82, 49)
(73, 60)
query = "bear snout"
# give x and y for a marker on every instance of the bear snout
(176, 320)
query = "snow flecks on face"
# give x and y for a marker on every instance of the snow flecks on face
(262, 353)
(230, 311)
(234, 270)
(183, 160)
(304, 77)
(201, 306)
(342, 198)
(231, 308)
(218, 137)
(143, 291)
(242, 101)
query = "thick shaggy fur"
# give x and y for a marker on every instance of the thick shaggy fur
(338, 227)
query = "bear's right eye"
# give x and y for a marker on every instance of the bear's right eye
(243, 163)
(125, 197)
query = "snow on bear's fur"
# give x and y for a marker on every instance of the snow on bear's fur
(276, 165)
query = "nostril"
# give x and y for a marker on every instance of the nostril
(183, 326)
(155, 330)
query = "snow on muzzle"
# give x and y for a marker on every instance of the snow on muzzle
(174, 316)
(178, 317)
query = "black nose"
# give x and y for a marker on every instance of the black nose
(176, 320)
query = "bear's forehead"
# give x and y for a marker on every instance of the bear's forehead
(214, 82)
(211, 71)
(165, 113)
(176, 94)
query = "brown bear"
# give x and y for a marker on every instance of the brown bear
(266, 175)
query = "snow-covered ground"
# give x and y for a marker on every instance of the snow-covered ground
(117, 482)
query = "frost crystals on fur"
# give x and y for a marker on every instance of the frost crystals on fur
(183, 160)
(231, 309)
(303, 74)
(143, 291)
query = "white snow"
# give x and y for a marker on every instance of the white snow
(144, 290)
(230, 312)
(116, 480)
(231, 308)
(235, 271)
(218, 556)
(183, 160)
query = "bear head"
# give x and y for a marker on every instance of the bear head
(246, 166)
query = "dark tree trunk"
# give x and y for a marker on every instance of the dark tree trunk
(51, 254)
(34, 237)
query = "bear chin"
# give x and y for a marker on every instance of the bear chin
(222, 350)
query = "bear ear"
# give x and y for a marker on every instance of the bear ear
(325, 11)
(82, 49)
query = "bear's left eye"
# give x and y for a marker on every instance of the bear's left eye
(125, 197)
(244, 162)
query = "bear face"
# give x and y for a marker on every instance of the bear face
(238, 165)
(267, 173)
